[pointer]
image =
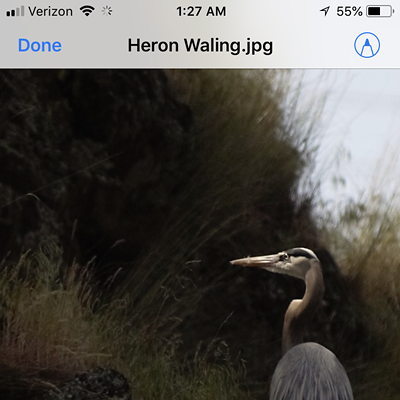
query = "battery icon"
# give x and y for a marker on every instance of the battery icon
(379, 11)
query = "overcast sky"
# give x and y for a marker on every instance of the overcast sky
(361, 118)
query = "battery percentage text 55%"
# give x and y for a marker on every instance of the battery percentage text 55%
(349, 11)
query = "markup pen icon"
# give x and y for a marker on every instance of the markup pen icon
(367, 45)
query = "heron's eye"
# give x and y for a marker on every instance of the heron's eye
(284, 257)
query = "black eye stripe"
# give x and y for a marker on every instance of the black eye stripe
(298, 252)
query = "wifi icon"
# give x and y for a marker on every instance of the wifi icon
(87, 10)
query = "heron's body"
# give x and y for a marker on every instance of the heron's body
(310, 371)
(307, 371)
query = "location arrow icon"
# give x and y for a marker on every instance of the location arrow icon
(325, 10)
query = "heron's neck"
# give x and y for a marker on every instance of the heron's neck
(300, 311)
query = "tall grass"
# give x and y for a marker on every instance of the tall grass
(53, 326)
(365, 236)
(252, 143)
(47, 317)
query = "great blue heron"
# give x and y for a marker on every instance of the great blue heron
(307, 371)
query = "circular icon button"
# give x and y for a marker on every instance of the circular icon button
(367, 45)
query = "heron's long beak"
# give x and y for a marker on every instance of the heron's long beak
(265, 262)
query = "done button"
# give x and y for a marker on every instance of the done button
(26, 45)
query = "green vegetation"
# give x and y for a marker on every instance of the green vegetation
(52, 321)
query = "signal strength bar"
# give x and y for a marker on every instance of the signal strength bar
(18, 12)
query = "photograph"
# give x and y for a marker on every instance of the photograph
(199, 234)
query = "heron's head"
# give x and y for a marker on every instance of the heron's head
(295, 262)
